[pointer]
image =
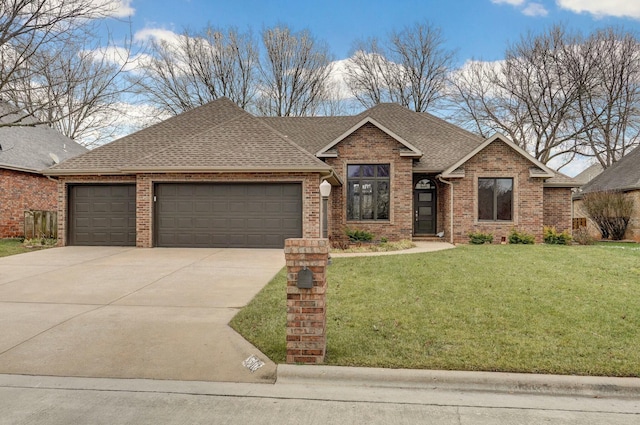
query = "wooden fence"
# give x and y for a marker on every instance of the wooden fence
(40, 224)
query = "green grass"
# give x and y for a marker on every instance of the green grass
(12, 247)
(538, 309)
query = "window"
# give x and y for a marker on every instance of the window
(495, 199)
(368, 192)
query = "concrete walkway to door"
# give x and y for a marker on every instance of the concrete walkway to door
(117, 312)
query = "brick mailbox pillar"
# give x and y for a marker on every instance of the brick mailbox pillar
(306, 299)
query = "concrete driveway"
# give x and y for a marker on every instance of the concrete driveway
(118, 312)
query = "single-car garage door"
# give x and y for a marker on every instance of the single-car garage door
(102, 215)
(227, 215)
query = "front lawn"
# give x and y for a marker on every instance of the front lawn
(538, 309)
(12, 247)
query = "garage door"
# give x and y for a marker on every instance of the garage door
(102, 215)
(227, 215)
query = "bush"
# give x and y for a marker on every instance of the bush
(611, 211)
(582, 236)
(552, 237)
(479, 238)
(356, 235)
(516, 237)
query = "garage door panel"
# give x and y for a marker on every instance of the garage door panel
(102, 215)
(228, 215)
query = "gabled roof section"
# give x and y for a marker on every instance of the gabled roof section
(440, 142)
(538, 169)
(412, 151)
(216, 137)
(32, 146)
(624, 175)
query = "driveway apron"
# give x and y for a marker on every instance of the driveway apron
(118, 312)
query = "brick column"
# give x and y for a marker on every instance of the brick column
(306, 308)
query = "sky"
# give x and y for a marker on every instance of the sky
(475, 29)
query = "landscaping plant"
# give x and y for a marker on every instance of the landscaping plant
(516, 237)
(552, 237)
(610, 211)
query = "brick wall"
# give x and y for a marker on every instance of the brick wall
(20, 191)
(370, 145)
(500, 161)
(306, 307)
(557, 208)
(144, 196)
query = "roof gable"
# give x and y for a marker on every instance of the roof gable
(540, 169)
(412, 151)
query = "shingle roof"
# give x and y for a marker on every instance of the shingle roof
(221, 136)
(216, 136)
(588, 174)
(441, 143)
(29, 147)
(623, 175)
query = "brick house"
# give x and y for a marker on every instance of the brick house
(24, 152)
(623, 176)
(219, 176)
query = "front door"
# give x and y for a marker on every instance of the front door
(424, 204)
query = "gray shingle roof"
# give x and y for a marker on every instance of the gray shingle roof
(623, 175)
(442, 143)
(28, 148)
(216, 136)
(222, 136)
(588, 174)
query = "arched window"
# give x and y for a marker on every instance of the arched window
(425, 184)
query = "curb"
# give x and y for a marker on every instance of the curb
(567, 385)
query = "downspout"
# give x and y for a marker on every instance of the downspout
(439, 177)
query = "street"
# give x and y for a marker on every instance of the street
(53, 400)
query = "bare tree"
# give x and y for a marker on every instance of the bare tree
(411, 68)
(76, 90)
(531, 96)
(199, 67)
(610, 112)
(294, 73)
(27, 27)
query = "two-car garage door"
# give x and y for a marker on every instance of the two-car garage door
(260, 215)
(227, 215)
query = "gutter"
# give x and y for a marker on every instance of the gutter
(439, 177)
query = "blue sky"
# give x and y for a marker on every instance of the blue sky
(479, 29)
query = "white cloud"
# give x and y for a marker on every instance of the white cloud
(120, 8)
(156, 34)
(535, 9)
(511, 2)
(120, 56)
(601, 8)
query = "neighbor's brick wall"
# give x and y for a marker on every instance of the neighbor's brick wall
(20, 191)
(63, 193)
(557, 208)
(370, 145)
(498, 160)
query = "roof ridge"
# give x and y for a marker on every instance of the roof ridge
(192, 136)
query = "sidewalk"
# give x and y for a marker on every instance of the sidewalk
(420, 247)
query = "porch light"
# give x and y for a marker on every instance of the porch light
(325, 191)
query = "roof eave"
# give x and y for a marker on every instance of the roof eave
(567, 185)
(21, 169)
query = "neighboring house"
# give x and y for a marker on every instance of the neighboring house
(622, 176)
(24, 152)
(217, 176)
(588, 174)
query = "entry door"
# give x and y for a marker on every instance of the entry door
(424, 197)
